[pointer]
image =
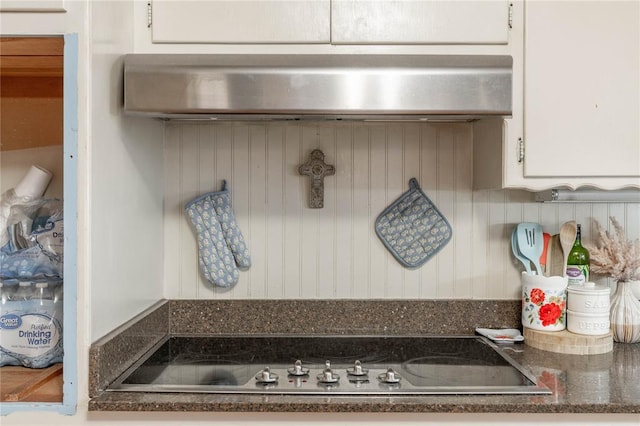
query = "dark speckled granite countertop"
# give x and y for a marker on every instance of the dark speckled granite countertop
(607, 383)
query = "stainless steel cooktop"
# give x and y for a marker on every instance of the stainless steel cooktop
(340, 365)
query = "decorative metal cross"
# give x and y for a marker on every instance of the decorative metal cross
(316, 169)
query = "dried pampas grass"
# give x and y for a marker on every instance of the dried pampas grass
(615, 256)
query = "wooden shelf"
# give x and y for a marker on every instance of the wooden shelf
(31, 66)
(32, 46)
(20, 384)
(31, 70)
(31, 56)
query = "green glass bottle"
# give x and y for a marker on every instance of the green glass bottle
(578, 262)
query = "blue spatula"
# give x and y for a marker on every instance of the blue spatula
(531, 242)
(516, 251)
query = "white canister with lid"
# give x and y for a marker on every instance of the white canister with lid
(589, 324)
(588, 298)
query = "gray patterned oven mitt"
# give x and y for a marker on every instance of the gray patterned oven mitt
(412, 228)
(221, 246)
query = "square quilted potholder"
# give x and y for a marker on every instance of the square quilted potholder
(412, 228)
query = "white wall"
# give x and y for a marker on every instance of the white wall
(333, 252)
(125, 182)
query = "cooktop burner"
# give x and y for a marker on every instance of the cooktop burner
(343, 365)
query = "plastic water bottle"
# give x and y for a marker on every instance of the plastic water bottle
(7, 292)
(42, 293)
(57, 291)
(4, 295)
(24, 292)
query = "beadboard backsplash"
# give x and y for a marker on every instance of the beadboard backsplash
(333, 252)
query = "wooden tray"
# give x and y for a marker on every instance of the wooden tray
(565, 342)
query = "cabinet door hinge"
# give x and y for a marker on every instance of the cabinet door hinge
(520, 150)
(149, 14)
(510, 15)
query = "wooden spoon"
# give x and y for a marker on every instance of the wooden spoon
(568, 232)
(554, 257)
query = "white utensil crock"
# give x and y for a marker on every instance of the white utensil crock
(544, 302)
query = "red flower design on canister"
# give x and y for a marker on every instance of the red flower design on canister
(549, 314)
(537, 296)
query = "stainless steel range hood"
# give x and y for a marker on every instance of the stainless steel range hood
(361, 87)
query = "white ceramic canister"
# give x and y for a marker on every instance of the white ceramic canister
(544, 302)
(589, 324)
(588, 298)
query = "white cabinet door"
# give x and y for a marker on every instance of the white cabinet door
(419, 22)
(241, 21)
(32, 6)
(582, 88)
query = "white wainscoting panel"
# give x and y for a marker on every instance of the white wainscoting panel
(333, 252)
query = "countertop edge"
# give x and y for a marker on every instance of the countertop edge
(370, 405)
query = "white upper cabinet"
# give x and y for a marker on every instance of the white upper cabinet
(32, 6)
(330, 21)
(250, 21)
(576, 118)
(582, 88)
(419, 22)
(576, 100)
(39, 17)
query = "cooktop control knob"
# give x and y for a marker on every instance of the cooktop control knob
(327, 376)
(357, 371)
(298, 369)
(266, 376)
(390, 377)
